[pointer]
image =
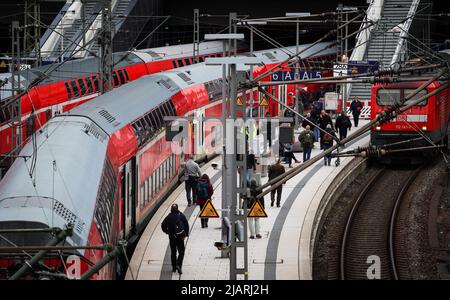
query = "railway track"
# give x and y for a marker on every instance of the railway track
(371, 228)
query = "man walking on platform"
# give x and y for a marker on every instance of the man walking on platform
(276, 170)
(177, 227)
(356, 107)
(306, 138)
(192, 173)
(342, 125)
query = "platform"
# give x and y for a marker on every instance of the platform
(281, 253)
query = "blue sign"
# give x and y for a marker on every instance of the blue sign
(290, 75)
(363, 66)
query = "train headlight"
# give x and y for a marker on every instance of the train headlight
(378, 128)
(424, 128)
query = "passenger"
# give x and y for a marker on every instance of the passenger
(308, 121)
(356, 107)
(289, 154)
(315, 113)
(204, 192)
(269, 129)
(324, 120)
(251, 166)
(253, 223)
(327, 142)
(177, 227)
(288, 113)
(306, 138)
(342, 125)
(192, 174)
(276, 170)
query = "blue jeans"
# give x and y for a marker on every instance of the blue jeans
(327, 157)
(316, 133)
(306, 153)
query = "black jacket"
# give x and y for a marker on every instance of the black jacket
(329, 142)
(324, 121)
(168, 225)
(343, 122)
(356, 107)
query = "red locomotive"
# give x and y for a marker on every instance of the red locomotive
(422, 125)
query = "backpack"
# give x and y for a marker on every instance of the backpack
(327, 137)
(179, 228)
(202, 189)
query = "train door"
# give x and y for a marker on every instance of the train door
(129, 193)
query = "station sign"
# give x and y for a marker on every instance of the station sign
(290, 75)
(340, 70)
(362, 66)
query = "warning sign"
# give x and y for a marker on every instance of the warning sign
(256, 211)
(239, 101)
(208, 210)
(263, 102)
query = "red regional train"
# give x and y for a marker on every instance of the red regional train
(105, 166)
(77, 81)
(422, 125)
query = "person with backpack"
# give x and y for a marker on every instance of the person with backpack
(204, 192)
(176, 226)
(307, 138)
(342, 125)
(327, 142)
(253, 223)
(323, 122)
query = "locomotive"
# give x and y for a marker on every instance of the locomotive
(422, 125)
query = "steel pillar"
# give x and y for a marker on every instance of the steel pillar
(105, 42)
(196, 43)
(32, 31)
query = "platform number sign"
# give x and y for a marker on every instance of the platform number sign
(340, 70)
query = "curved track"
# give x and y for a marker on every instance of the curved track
(371, 225)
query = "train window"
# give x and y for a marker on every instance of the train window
(116, 80)
(126, 74)
(174, 64)
(89, 85)
(69, 92)
(153, 184)
(75, 88)
(156, 119)
(149, 189)
(95, 82)
(121, 76)
(82, 87)
(388, 96)
(146, 191)
(180, 63)
(420, 94)
(172, 107)
(187, 61)
(142, 198)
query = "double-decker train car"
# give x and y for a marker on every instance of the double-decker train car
(105, 166)
(77, 81)
(422, 125)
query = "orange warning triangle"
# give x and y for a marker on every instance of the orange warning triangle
(263, 102)
(2, 64)
(208, 210)
(256, 211)
(239, 101)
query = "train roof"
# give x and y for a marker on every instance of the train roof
(80, 67)
(123, 105)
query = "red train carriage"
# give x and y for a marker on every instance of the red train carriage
(424, 124)
(57, 94)
(105, 169)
